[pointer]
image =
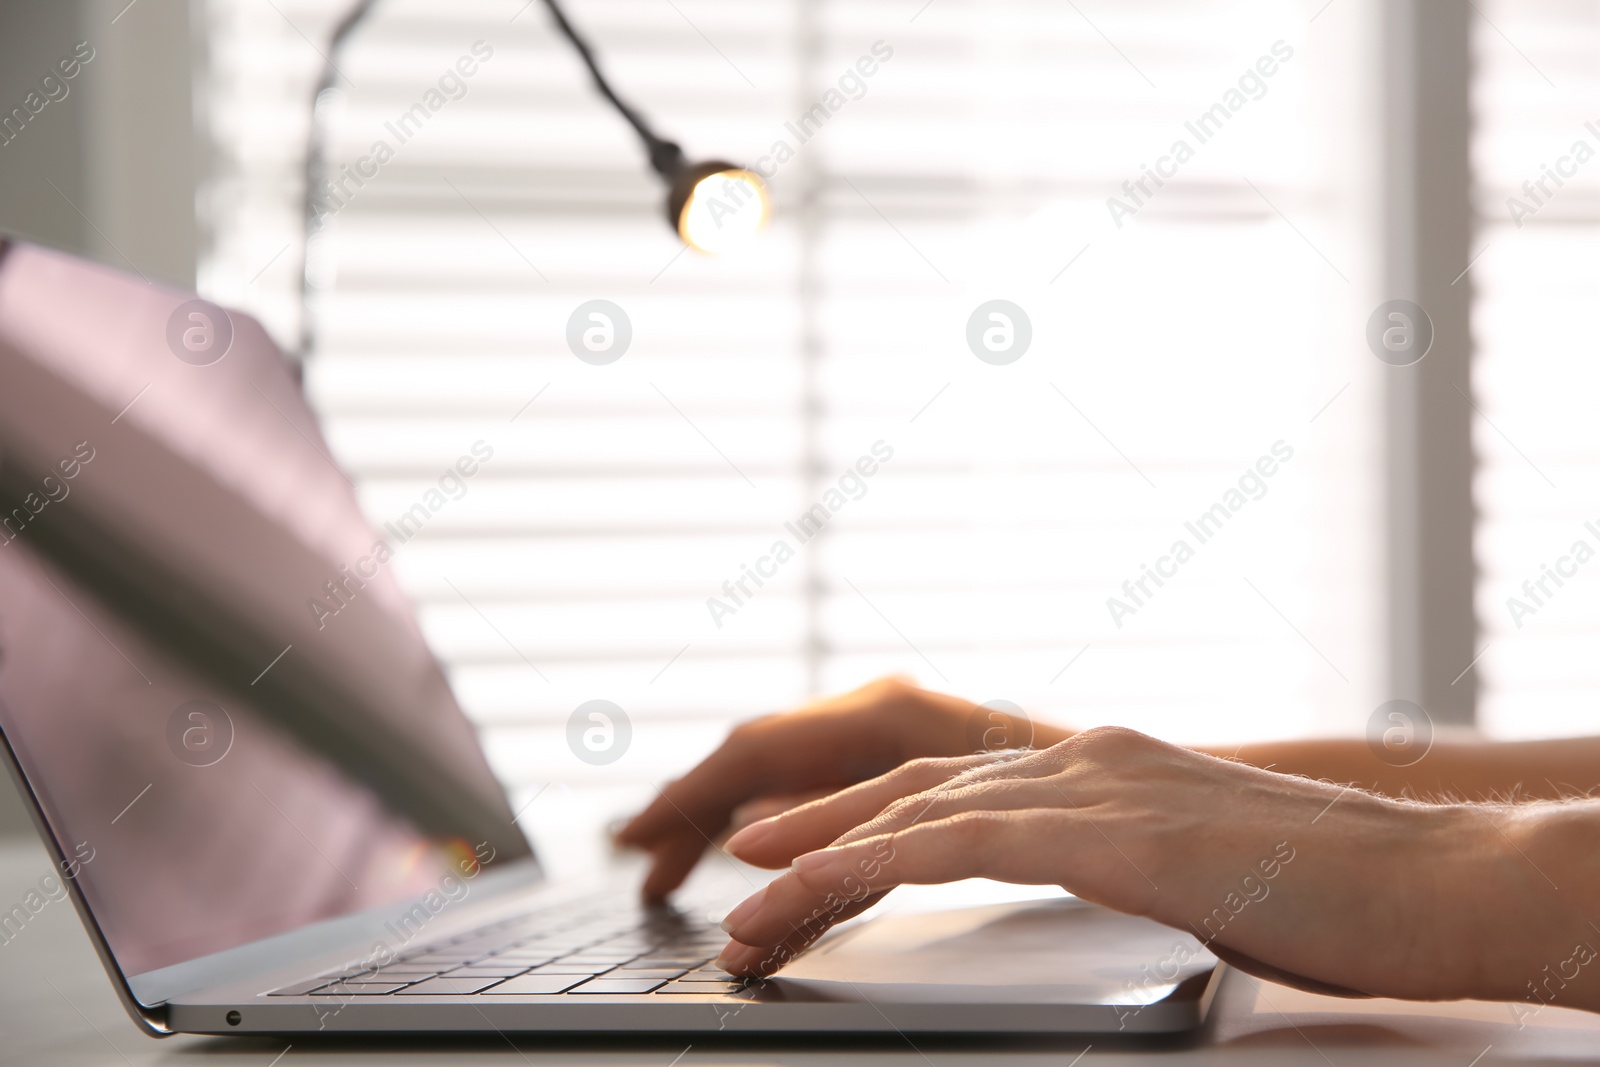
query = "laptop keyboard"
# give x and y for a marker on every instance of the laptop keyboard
(574, 950)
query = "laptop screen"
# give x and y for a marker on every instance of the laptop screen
(218, 760)
(191, 820)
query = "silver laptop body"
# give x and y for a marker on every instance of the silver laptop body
(276, 819)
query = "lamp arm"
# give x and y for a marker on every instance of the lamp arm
(666, 157)
(315, 159)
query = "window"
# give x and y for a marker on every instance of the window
(1537, 279)
(1195, 371)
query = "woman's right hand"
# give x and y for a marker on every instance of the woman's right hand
(779, 760)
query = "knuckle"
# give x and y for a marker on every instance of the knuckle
(1106, 740)
(909, 805)
(927, 769)
(919, 765)
(976, 826)
(748, 731)
(987, 764)
(890, 687)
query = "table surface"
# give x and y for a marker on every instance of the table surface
(57, 1007)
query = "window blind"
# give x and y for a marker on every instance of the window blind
(1194, 374)
(1536, 279)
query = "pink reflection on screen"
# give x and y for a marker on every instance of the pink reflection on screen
(189, 856)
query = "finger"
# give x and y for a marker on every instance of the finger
(1000, 845)
(1008, 846)
(674, 856)
(820, 822)
(1002, 781)
(781, 754)
(709, 791)
(786, 911)
(755, 961)
(1252, 966)
(958, 796)
(760, 808)
(775, 841)
(786, 908)
(831, 743)
(671, 861)
(681, 822)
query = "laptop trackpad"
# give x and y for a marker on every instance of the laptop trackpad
(1052, 951)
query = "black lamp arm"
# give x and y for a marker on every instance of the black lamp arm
(665, 156)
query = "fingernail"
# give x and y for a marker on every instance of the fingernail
(751, 835)
(742, 961)
(745, 911)
(727, 959)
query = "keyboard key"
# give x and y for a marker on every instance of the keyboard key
(579, 941)
(300, 989)
(352, 974)
(476, 945)
(565, 968)
(537, 985)
(483, 970)
(712, 975)
(619, 985)
(357, 989)
(704, 988)
(447, 985)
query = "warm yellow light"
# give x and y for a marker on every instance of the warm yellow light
(724, 210)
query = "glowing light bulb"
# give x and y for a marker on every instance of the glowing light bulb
(722, 207)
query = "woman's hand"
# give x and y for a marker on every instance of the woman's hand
(1319, 885)
(779, 760)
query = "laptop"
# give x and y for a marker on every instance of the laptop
(273, 816)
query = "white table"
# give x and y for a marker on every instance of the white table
(57, 1007)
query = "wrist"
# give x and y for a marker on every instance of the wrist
(1532, 870)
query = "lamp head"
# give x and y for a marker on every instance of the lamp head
(717, 206)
